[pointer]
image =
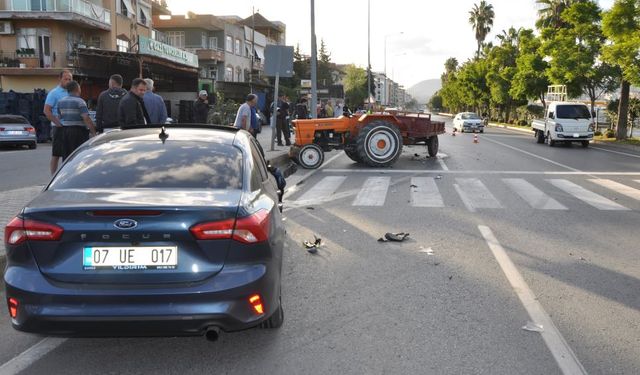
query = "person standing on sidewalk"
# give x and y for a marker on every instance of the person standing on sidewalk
(108, 101)
(131, 110)
(51, 112)
(328, 109)
(282, 125)
(302, 112)
(243, 117)
(338, 110)
(154, 104)
(74, 116)
(201, 108)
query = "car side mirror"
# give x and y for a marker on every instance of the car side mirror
(552, 115)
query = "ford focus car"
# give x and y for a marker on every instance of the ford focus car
(150, 232)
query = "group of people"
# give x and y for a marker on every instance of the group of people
(116, 108)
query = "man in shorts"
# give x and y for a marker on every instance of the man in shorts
(74, 116)
(51, 112)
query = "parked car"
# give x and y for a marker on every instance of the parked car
(468, 121)
(150, 232)
(17, 131)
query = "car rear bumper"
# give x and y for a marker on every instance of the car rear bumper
(18, 140)
(161, 310)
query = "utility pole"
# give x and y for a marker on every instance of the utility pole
(253, 46)
(369, 53)
(314, 65)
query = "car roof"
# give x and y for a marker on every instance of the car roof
(182, 132)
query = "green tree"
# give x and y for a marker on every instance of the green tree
(621, 25)
(435, 102)
(501, 71)
(325, 78)
(481, 20)
(530, 80)
(550, 12)
(355, 85)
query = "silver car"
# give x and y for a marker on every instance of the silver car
(16, 130)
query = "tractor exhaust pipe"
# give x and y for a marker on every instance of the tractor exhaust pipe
(212, 334)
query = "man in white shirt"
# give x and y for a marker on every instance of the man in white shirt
(243, 117)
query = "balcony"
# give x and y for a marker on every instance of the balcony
(258, 65)
(80, 12)
(210, 54)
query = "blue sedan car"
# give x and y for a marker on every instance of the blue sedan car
(150, 232)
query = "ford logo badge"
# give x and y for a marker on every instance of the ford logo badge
(125, 224)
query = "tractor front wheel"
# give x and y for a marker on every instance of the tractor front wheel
(310, 156)
(379, 144)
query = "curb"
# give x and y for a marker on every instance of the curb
(494, 125)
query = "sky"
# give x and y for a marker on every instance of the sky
(420, 35)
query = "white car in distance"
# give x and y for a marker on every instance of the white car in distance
(468, 121)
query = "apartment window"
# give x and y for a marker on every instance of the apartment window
(27, 38)
(144, 15)
(74, 40)
(95, 41)
(247, 49)
(204, 40)
(238, 50)
(229, 45)
(122, 45)
(213, 72)
(213, 42)
(125, 7)
(175, 38)
(228, 74)
(239, 74)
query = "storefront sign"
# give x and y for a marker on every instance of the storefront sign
(165, 51)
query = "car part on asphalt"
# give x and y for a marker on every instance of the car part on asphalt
(312, 247)
(394, 237)
(533, 327)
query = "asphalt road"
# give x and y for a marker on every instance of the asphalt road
(21, 167)
(503, 234)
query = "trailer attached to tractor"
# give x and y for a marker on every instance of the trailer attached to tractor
(372, 139)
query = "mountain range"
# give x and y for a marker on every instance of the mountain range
(422, 91)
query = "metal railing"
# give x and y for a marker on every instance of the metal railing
(81, 7)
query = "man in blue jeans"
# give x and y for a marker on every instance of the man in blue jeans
(74, 116)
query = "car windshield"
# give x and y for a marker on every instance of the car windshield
(470, 116)
(13, 120)
(150, 164)
(573, 111)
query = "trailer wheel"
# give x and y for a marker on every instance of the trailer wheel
(352, 153)
(539, 136)
(432, 146)
(310, 156)
(379, 144)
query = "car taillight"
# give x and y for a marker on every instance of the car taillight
(12, 303)
(250, 229)
(30, 129)
(1, 129)
(19, 230)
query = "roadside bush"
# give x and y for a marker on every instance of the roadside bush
(597, 133)
(610, 133)
(523, 123)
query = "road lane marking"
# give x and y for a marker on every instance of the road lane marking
(297, 181)
(535, 197)
(31, 355)
(618, 188)
(373, 192)
(532, 154)
(560, 349)
(440, 158)
(478, 172)
(322, 190)
(616, 152)
(589, 197)
(475, 195)
(424, 192)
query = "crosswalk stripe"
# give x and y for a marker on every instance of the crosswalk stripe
(475, 195)
(424, 192)
(589, 197)
(373, 192)
(323, 189)
(532, 195)
(618, 188)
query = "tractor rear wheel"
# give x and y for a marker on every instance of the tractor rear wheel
(310, 156)
(379, 144)
(433, 145)
(352, 153)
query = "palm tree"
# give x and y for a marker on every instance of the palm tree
(481, 20)
(510, 36)
(550, 12)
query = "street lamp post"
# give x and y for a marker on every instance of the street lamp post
(385, 49)
(369, 53)
(314, 64)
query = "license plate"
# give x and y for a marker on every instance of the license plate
(576, 135)
(130, 258)
(15, 132)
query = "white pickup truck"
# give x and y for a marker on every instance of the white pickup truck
(565, 122)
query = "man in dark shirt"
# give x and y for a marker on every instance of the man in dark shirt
(201, 108)
(282, 121)
(108, 102)
(131, 110)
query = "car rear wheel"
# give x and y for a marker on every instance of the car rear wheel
(310, 156)
(276, 319)
(33, 145)
(432, 146)
(379, 144)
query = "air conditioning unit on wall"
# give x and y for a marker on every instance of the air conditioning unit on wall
(6, 27)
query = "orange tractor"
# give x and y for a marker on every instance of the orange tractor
(372, 139)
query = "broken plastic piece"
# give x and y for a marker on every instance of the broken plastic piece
(533, 327)
(439, 177)
(428, 251)
(395, 237)
(310, 208)
(312, 247)
(413, 186)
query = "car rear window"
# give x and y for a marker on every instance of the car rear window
(572, 111)
(13, 120)
(144, 164)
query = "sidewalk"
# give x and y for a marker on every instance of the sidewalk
(12, 201)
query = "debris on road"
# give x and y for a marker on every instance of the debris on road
(439, 177)
(533, 327)
(312, 247)
(413, 186)
(428, 251)
(311, 208)
(394, 237)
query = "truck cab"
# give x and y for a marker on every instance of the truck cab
(565, 122)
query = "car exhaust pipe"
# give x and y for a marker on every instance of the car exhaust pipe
(212, 334)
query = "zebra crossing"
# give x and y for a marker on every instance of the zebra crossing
(473, 192)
